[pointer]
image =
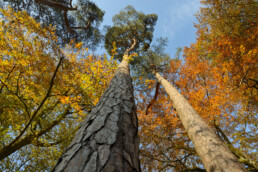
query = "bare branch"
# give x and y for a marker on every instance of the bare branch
(132, 47)
(154, 98)
(55, 5)
(1, 89)
(41, 104)
(41, 144)
(28, 139)
(19, 97)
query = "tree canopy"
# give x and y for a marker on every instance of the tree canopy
(130, 26)
(45, 91)
(49, 81)
(217, 75)
(79, 20)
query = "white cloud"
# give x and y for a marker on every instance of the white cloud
(186, 9)
(179, 15)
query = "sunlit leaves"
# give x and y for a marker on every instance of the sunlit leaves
(29, 62)
(218, 76)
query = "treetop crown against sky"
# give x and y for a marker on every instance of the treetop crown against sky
(175, 18)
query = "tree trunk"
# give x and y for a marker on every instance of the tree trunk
(215, 156)
(108, 138)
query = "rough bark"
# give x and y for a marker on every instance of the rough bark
(215, 155)
(107, 140)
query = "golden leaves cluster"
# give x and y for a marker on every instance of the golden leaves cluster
(45, 90)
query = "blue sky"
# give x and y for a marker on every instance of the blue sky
(176, 18)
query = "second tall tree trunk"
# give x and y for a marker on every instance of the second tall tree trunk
(108, 139)
(216, 157)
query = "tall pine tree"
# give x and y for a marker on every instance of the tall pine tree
(108, 138)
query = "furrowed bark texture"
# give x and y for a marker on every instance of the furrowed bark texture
(108, 138)
(215, 156)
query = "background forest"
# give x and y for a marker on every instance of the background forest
(51, 78)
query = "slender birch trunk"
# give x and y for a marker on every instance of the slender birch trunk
(215, 155)
(108, 138)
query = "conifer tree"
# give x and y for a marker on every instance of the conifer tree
(108, 138)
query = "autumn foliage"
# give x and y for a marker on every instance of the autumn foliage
(218, 76)
(45, 91)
